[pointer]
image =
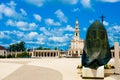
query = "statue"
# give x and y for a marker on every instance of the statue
(96, 50)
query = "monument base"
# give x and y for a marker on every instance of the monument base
(88, 73)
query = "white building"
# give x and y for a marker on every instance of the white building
(3, 51)
(77, 44)
(45, 53)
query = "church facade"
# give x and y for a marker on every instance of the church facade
(77, 44)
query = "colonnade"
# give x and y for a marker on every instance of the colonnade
(78, 52)
(46, 53)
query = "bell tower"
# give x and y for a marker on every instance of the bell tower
(76, 32)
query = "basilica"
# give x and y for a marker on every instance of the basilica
(77, 43)
(75, 49)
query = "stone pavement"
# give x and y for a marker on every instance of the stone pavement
(28, 72)
(43, 69)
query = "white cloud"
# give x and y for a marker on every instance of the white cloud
(111, 1)
(50, 21)
(91, 21)
(10, 23)
(41, 40)
(26, 26)
(12, 4)
(37, 17)
(9, 10)
(114, 32)
(22, 25)
(69, 1)
(38, 3)
(19, 34)
(86, 3)
(60, 39)
(32, 26)
(32, 35)
(57, 44)
(57, 39)
(15, 35)
(5, 34)
(76, 10)
(85, 29)
(23, 12)
(2, 35)
(45, 31)
(61, 16)
(35, 38)
(105, 23)
(2, 7)
(69, 28)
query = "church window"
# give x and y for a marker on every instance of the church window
(76, 34)
(76, 52)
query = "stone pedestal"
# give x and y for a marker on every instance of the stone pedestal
(88, 73)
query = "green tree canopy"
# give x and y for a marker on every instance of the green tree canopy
(17, 47)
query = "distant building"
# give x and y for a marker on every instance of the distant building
(3, 51)
(45, 53)
(77, 44)
(113, 52)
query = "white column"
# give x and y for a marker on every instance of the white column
(32, 54)
(58, 54)
(43, 54)
(117, 63)
(68, 52)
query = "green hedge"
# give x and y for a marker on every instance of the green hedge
(23, 55)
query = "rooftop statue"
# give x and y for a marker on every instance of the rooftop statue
(96, 51)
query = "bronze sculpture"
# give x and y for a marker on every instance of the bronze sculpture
(96, 51)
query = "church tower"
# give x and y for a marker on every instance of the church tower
(76, 32)
(77, 44)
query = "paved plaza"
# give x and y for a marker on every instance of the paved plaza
(43, 69)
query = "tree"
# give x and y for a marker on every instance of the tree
(17, 47)
(55, 48)
(21, 46)
(46, 49)
(40, 48)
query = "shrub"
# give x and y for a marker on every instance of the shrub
(107, 66)
(23, 55)
(1, 56)
(79, 66)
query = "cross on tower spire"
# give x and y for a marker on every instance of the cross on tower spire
(102, 18)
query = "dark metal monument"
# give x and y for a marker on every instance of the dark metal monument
(96, 50)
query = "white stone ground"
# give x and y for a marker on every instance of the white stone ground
(66, 66)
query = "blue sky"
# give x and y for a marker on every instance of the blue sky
(51, 23)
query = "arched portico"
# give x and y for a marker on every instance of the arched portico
(46, 53)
